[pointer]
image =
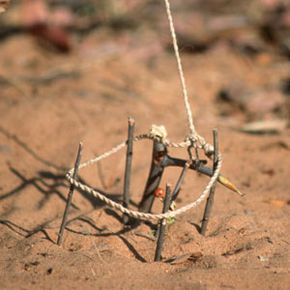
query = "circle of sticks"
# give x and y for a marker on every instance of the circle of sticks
(136, 214)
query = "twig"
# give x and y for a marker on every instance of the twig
(70, 195)
(51, 76)
(210, 199)
(162, 224)
(179, 182)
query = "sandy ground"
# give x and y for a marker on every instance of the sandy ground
(102, 81)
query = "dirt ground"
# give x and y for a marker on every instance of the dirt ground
(50, 101)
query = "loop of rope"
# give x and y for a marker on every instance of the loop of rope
(132, 213)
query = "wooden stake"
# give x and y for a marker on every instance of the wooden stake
(129, 156)
(70, 195)
(210, 199)
(179, 182)
(162, 224)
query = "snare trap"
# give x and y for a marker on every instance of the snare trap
(161, 159)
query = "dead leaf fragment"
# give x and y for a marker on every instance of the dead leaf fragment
(225, 182)
(3, 5)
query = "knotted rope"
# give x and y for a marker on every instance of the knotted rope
(193, 137)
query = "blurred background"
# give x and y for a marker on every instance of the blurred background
(65, 39)
(74, 70)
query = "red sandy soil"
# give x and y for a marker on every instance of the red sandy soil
(247, 245)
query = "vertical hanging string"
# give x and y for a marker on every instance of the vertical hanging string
(180, 70)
